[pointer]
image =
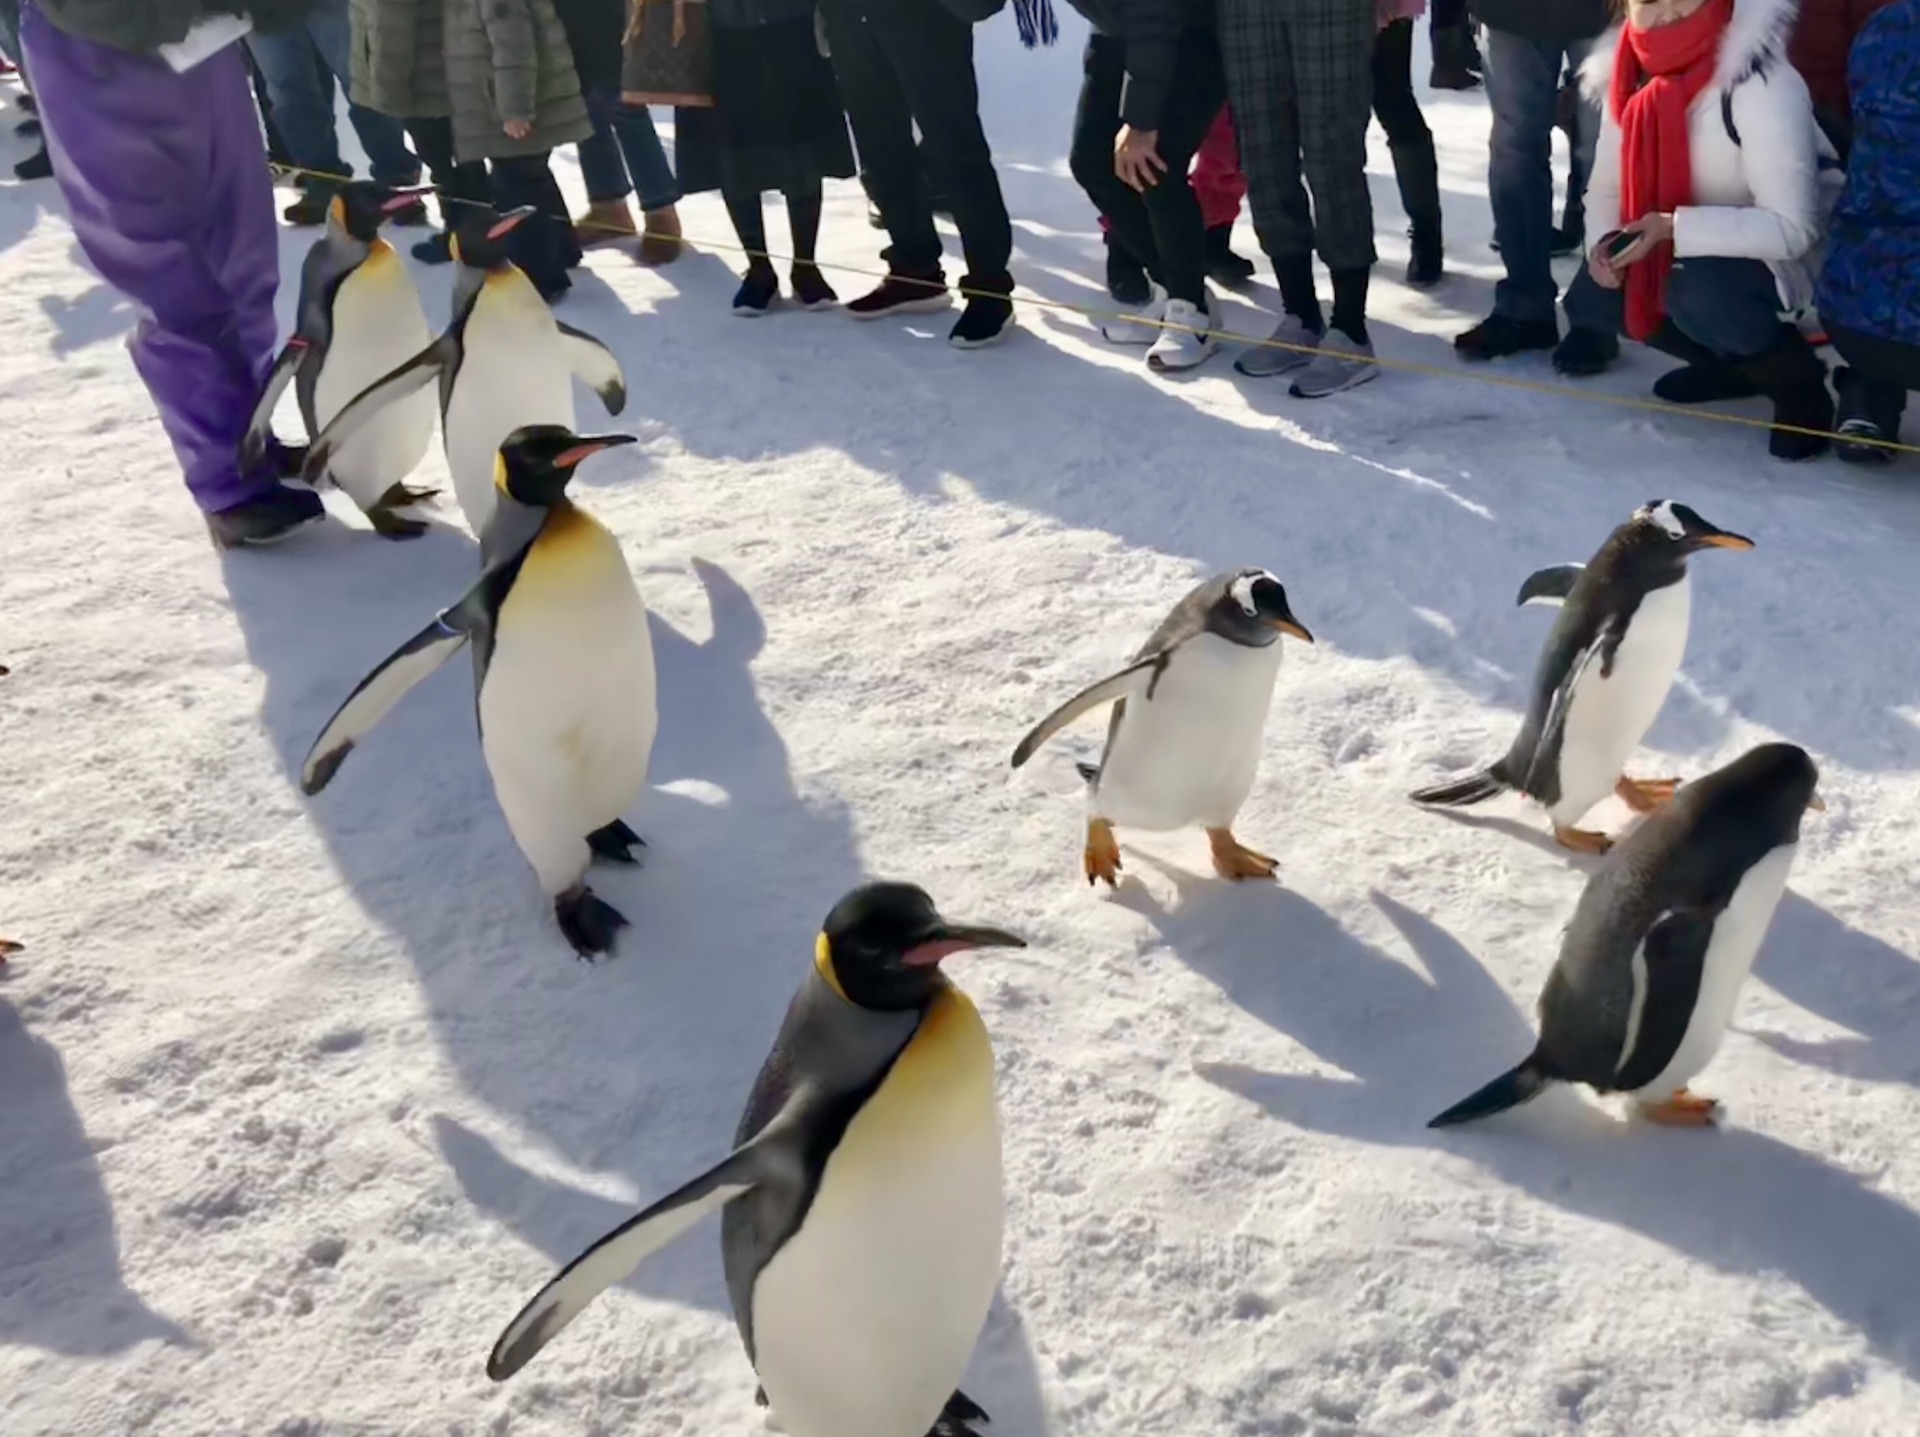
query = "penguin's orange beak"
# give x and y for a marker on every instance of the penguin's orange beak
(1724, 540)
(1292, 626)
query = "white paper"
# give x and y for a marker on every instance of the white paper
(208, 38)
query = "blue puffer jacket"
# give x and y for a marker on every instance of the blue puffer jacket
(1871, 280)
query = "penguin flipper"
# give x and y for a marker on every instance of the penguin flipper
(409, 378)
(596, 366)
(618, 1253)
(253, 447)
(1551, 586)
(1512, 1088)
(1136, 679)
(1666, 980)
(375, 695)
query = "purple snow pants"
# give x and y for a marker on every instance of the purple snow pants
(165, 177)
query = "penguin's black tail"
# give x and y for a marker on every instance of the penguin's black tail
(1090, 772)
(1522, 1085)
(1462, 793)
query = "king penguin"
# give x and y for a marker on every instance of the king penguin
(1604, 674)
(1661, 942)
(504, 363)
(1183, 744)
(563, 673)
(863, 1206)
(359, 316)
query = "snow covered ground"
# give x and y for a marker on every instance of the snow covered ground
(300, 1100)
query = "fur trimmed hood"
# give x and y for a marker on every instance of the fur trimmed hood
(1756, 38)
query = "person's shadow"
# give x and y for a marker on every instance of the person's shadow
(1734, 1199)
(63, 1290)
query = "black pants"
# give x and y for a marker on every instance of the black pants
(1162, 228)
(1416, 168)
(461, 187)
(902, 62)
(543, 244)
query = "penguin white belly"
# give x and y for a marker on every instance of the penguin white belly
(568, 708)
(378, 325)
(1737, 934)
(866, 1317)
(513, 372)
(1190, 754)
(1607, 716)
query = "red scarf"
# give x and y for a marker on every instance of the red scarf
(1657, 74)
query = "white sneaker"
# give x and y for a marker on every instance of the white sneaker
(1186, 341)
(1140, 327)
(1290, 348)
(1342, 363)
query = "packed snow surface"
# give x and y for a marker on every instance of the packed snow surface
(299, 1100)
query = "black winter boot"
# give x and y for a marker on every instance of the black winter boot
(1869, 411)
(1417, 172)
(1793, 377)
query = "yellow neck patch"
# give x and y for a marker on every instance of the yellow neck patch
(500, 473)
(823, 965)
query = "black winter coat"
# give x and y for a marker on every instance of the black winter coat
(1152, 31)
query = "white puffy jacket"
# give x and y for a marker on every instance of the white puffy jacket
(1766, 196)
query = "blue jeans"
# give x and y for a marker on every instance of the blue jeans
(624, 144)
(1728, 308)
(1523, 82)
(303, 100)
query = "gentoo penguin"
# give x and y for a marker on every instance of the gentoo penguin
(563, 670)
(504, 362)
(1188, 715)
(1603, 675)
(862, 1201)
(1663, 937)
(359, 316)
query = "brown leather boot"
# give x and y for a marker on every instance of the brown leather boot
(660, 242)
(608, 223)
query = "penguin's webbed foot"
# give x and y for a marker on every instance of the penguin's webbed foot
(1233, 860)
(8, 948)
(589, 923)
(1581, 840)
(958, 1419)
(615, 844)
(1102, 856)
(1682, 1110)
(1644, 795)
(389, 525)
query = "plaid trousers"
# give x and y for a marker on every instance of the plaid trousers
(1300, 79)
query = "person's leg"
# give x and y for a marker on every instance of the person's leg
(383, 137)
(1259, 68)
(1873, 390)
(301, 108)
(603, 171)
(167, 188)
(1332, 44)
(1416, 167)
(541, 245)
(759, 286)
(1583, 141)
(1096, 124)
(653, 182)
(461, 187)
(1179, 230)
(1218, 182)
(1731, 307)
(883, 132)
(805, 199)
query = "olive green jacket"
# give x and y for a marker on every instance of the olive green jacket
(399, 62)
(509, 60)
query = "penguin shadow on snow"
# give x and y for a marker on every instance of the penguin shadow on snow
(96, 316)
(63, 1291)
(1731, 1198)
(1850, 978)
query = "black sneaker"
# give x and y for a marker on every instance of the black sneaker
(984, 321)
(266, 519)
(434, 249)
(1862, 441)
(1703, 384)
(810, 288)
(902, 294)
(1569, 238)
(1126, 279)
(1585, 352)
(1224, 267)
(1498, 336)
(1869, 413)
(28, 129)
(758, 290)
(309, 210)
(35, 167)
(1426, 261)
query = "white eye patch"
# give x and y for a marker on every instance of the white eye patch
(1663, 515)
(1241, 590)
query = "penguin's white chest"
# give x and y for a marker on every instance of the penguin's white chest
(513, 372)
(378, 325)
(1608, 714)
(568, 709)
(1737, 935)
(1189, 754)
(865, 1319)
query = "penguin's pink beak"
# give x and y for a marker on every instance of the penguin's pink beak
(402, 198)
(951, 938)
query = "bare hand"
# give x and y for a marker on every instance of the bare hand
(518, 129)
(1599, 267)
(1650, 231)
(1136, 157)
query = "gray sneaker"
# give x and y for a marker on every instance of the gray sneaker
(1286, 351)
(1341, 363)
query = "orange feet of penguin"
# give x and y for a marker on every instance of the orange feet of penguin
(1233, 859)
(1102, 855)
(1581, 840)
(1682, 1110)
(1644, 795)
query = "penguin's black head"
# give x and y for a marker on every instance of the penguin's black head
(480, 239)
(1680, 530)
(882, 945)
(361, 207)
(538, 460)
(1253, 611)
(1762, 795)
